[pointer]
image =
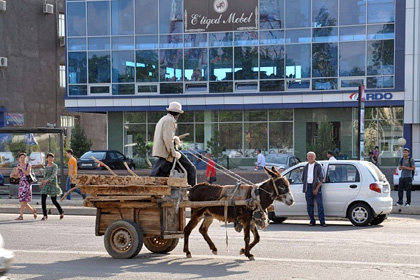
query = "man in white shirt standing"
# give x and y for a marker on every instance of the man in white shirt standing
(260, 160)
(330, 156)
(312, 179)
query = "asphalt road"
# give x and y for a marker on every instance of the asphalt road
(68, 249)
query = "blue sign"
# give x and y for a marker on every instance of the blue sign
(378, 96)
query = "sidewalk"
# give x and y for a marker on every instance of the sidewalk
(75, 205)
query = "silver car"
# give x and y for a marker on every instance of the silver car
(6, 258)
(352, 189)
(281, 161)
(416, 179)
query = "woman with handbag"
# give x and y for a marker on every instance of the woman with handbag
(24, 169)
(49, 186)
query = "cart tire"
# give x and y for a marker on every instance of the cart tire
(160, 246)
(123, 239)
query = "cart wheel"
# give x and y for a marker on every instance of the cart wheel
(160, 246)
(123, 239)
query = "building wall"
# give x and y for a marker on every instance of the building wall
(30, 84)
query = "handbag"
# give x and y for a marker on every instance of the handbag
(32, 178)
(14, 177)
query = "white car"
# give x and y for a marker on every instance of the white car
(37, 159)
(352, 189)
(6, 258)
(416, 179)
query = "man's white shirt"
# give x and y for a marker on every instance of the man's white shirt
(310, 173)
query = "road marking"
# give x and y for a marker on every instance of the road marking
(278, 260)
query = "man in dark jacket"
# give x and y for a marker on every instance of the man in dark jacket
(312, 179)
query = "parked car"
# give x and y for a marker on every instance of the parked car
(281, 161)
(6, 258)
(352, 189)
(416, 179)
(6, 159)
(114, 159)
(37, 159)
(195, 157)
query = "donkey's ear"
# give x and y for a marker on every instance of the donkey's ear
(271, 172)
(275, 170)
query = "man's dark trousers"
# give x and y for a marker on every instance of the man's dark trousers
(310, 198)
(162, 168)
(404, 184)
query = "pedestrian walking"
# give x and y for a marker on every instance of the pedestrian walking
(211, 169)
(330, 156)
(260, 160)
(72, 171)
(407, 168)
(49, 187)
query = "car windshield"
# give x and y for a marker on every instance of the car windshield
(276, 159)
(97, 155)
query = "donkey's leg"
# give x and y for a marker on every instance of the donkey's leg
(196, 215)
(256, 238)
(204, 228)
(247, 227)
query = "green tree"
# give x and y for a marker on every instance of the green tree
(324, 140)
(17, 147)
(79, 142)
(215, 147)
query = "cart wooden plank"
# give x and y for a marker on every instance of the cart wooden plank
(127, 180)
(126, 189)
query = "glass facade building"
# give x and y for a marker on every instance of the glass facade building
(132, 57)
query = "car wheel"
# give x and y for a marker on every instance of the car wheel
(275, 219)
(123, 239)
(360, 214)
(378, 220)
(160, 246)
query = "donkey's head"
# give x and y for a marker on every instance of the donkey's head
(281, 186)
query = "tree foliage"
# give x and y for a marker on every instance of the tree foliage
(324, 140)
(79, 142)
(215, 147)
(16, 147)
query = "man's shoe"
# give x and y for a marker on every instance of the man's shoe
(311, 224)
(407, 204)
(398, 204)
(323, 225)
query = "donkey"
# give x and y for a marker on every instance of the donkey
(275, 188)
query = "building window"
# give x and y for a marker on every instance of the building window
(67, 121)
(62, 76)
(61, 26)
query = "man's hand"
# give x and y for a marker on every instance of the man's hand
(178, 142)
(177, 155)
(315, 192)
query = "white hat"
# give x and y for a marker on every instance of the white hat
(175, 107)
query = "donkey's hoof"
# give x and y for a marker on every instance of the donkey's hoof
(251, 258)
(242, 251)
(214, 252)
(189, 256)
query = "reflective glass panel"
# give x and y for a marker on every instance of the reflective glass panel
(221, 39)
(328, 34)
(281, 115)
(171, 65)
(195, 40)
(98, 18)
(195, 61)
(255, 115)
(298, 61)
(231, 136)
(353, 33)
(146, 16)
(246, 63)
(351, 83)
(324, 60)
(76, 44)
(298, 36)
(147, 66)
(380, 57)
(123, 43)
(170, 16)
(122, 17)
(324, 84)
(76, 19)
(77, 90)
(272, 37)
(298, 13)
(101, 43)
(380, 32)
(380, 82)
(147, 42)
(272, 85)
(221, 64)
(298, 84)
(271, 62)
(99, 67)
(122, 67)
(230, 116)
(171, 88)
(221, 87)
(281, 136)
(246, 38)
(352, 59)
(381, 11)
(352, 12)
(271, 14)
(324, 13)
(77, 68)
(134, 117)
(255, 135)
(123, 89)
(171, 41)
